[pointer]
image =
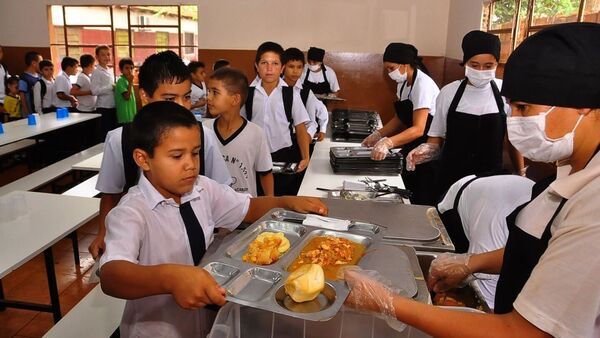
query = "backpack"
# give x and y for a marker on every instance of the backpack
(129, 165)
(288, 100)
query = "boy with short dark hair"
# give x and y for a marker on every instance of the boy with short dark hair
(102, 85)
(277, 109)
(82, 88)
(149, 260)
(124, 95)
(242, 143)
(27, 80)
(198, 72)
(220, 64)
(163, 77)
(62, 85)
(43, 90)
(293, 62)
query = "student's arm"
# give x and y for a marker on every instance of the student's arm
(70, 98)
(124, 87)
(37, 98)
(267, 183)
(190, 286)
(260, 205)
(436, 140)
(200, 103)
(413, 132)
(99, 88)
(303, 142)
(107, 203)
(24, 105)
(391, 128)
(76, 90)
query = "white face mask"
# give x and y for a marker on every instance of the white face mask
(314, 68)
(397, 76)
(479, 78)
(528, 136)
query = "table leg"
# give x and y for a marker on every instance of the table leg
(2, 306)
(75, 242)
(53, 288)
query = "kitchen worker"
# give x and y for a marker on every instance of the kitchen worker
(415, 109)
(549, 269)
(469, 126)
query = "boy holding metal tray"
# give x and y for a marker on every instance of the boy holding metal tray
(161, 228)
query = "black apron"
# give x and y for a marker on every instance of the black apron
(420, 181)
(473, 143)
(521, 255)
(317, 88)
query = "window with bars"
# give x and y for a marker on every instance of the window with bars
(134, 31)
(514, 20)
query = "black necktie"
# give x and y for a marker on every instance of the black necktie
(194, 231)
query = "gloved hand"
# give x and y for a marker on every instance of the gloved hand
(448, 271)
(424, 153)
(371, 292)
(381, 149)
(370, 140)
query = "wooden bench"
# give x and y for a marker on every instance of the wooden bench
(96, 315)
(17, 147)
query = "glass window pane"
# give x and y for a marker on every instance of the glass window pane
(88, 36)
(76, 52)
(87, 15)
(139, 54)
(56, 15)
(154, 36)
(549, 12)
(505, 46)
(154, 15)
(591, 11)
(503, 13)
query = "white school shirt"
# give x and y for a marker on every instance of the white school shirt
(246, 153)
(3, 74)
(40, 102)
(87, 103)
(317, 77)
(62, 84)
(111, 179)
(269, 114)
(316, 110)
(147, 229)
(475, 101)
(562, 295)
(102, 84)
(423, 95)
(197, 94)
(483, 207)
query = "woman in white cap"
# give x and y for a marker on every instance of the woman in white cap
(550, 267)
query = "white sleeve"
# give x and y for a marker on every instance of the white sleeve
(229, 207)
(438, 125)
(333, 81)
(37, 97)
(299, 113)
(216, 168)
(263, 163)
(62, 85)
(111, 179)
(96, 85)
(322, 115)
(124, 234)
(423, 95)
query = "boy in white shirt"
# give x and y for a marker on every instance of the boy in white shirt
(82, 88)
(62, 85)
(162, 227)
(43, 91)
(242, 143)
(102, 85)
(198, 72)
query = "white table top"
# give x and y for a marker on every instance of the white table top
(91, 164)
(319, 172)
(86, 188)
(18, 130)
(50, 217)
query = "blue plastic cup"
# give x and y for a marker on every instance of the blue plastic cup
(31, 120)
(1, 128)
(60, 113)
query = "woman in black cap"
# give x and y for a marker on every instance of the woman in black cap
(550, 267)
(318, 77)
(415, 109)
(468, 131)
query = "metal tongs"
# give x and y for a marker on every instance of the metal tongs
(383, 189)
(296, 217)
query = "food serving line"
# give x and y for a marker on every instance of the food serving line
(399, 239)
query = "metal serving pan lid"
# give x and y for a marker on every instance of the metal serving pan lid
(399, 273)
(402, 221)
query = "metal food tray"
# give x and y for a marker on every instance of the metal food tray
(357, 195)
(262, 286)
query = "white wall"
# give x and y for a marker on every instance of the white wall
(434, 26)
(463, 17)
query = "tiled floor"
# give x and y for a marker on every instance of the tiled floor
(29, 282)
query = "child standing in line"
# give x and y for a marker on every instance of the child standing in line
(43, 91)
(82, 88)
(12, 100)
(242, 143)
(198, 72)
(124, 95)
(103, 86)
(62, 85)
(27, 80)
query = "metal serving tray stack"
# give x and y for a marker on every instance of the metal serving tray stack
(349, 125)
(262, 286)
(357, 160)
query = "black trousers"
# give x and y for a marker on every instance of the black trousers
(108, 120)
(287, 184)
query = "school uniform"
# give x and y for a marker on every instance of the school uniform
(26, 83)
(44, 104)
(197, 94)
(474, 212)
(87, 103)
(472, 121)
(62, 84)
(246, 153)
(148, 229)
(102, 84)
(317, 112)
(3, 77)
(322, 82)
(112, 177)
